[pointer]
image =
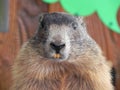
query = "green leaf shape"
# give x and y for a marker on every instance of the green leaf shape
(78, 7)
(108, 13)
(106, 10)
(50, 1)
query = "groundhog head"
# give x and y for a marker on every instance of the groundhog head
(61, 36)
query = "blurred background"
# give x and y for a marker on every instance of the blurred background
(23, 21)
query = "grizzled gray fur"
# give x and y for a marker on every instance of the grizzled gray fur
(62, 28)
(61, 56)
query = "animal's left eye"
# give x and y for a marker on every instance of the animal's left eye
(74, 25)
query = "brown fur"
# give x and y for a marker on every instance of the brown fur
(81, 74)
(85, 69)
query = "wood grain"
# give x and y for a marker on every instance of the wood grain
(7, 49)
(27, 17)
(23, 22)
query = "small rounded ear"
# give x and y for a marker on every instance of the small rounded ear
(41, 16)
(80, 19)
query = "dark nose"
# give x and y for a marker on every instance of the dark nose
(57, 48)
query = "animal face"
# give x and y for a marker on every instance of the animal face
(58, 42)
(59, 35)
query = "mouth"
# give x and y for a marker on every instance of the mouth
(57, 56)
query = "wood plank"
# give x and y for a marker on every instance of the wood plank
(8, 49)
(23, 23)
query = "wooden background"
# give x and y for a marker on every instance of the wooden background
(23, 23)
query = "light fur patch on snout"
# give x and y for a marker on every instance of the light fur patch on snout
(58, 34)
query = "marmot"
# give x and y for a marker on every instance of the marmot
(61, 56)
